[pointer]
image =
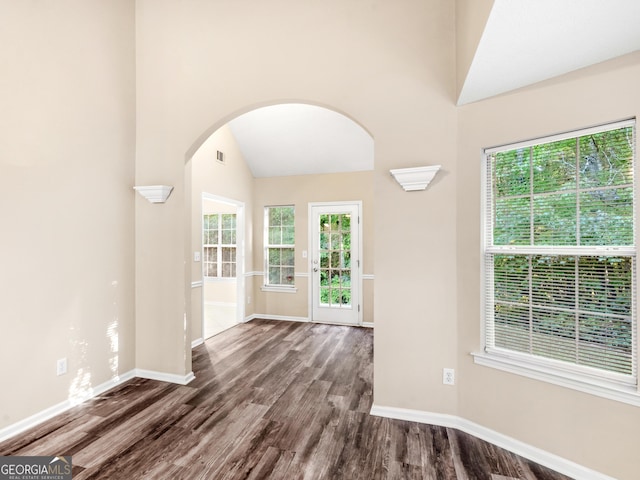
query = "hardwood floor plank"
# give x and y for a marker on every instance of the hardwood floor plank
(437, 453)
(144, 423)
(271, 400)
(74, 432)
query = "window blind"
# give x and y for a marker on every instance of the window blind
(560, 254)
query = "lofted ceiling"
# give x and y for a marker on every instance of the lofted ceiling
(301, 139)
(524, 42)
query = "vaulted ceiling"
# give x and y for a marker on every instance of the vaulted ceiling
(299, 139)
(523, 42)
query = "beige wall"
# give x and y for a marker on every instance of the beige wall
(591, 431)
(299, 191)
(66, 166)
(388, 65)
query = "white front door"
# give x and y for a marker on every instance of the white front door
(335, 262)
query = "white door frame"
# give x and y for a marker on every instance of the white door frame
(240, 253)
(359, 263)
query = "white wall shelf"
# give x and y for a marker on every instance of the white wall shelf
(416, 178)
(155, 193)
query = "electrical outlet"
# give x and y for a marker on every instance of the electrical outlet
(249, 300)
(448, 376)
(61, 366)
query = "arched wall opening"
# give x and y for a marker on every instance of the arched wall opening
(243, 176)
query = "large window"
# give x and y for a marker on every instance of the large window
(560, 254)
(219, 245)
(279, 246)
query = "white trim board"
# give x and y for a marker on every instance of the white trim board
(300, 319)
(197, 342)
(541, 457)
(165, 377)
(611, 391)
(284, 318)
(48, 413)
(62, 407)
(261, 274)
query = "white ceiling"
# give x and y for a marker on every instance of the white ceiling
(524, 42)
(300, 139)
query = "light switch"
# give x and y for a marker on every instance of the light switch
(196, 256)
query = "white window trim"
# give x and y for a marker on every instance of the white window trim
(543, 370)
(575, 381)
(279, 288)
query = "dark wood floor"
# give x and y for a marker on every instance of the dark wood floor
(271, 400)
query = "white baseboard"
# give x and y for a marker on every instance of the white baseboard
(93, 392)
(62, 407)
(165, 377)
(284, 318)
(197, 342)
(527, 451)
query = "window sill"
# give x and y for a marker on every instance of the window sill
(582, 383)
(280, 289)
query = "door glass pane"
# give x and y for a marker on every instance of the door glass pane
(324, 260)
(335, 260)
(335, 241)
(324, 241)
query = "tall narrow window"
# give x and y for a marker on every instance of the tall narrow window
(279, 246)
(560, 253)
(219, 245)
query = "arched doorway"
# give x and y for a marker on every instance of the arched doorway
(289, 154)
